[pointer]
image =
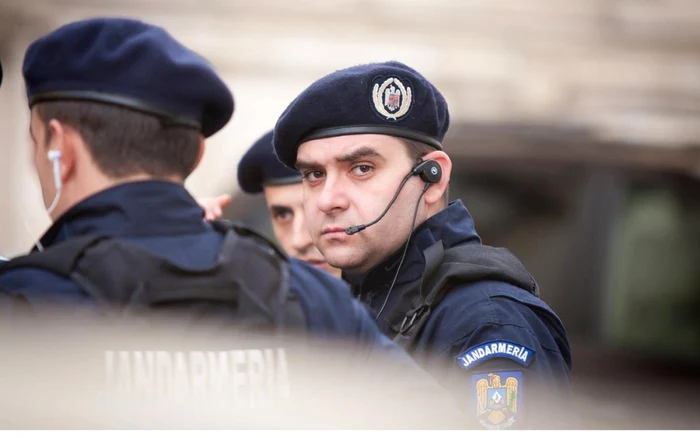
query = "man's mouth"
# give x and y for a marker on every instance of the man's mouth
(333, 232)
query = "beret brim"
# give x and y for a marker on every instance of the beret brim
(259, 167)
(123, 101)
(372, 129)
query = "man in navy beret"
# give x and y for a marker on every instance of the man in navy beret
(119, 114)
(368, 143)
(259, 171)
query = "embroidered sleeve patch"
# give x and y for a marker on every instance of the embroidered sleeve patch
(490, 350)
(499, 398)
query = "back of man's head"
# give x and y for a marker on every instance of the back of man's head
(124, 142)
(114, 100)
(139, 99)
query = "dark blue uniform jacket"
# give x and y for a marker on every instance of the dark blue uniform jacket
(163, 218)
(491, 343)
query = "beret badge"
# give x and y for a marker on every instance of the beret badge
(391, 99)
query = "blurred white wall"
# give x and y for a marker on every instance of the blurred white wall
(627, 70)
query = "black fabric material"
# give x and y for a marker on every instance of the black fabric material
(247, 286)
(445, 269)
(260, 167)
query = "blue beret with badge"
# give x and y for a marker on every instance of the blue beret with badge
(260, 167)
(387, 98)
(128, 63)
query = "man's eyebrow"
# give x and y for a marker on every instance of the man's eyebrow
(275, 207)
(303, 165)
(359, 153)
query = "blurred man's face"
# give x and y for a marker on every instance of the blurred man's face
(285, 203)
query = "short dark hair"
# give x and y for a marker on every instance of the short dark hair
(416, 151)
(124, 142)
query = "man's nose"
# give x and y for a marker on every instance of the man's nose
(333, 195)
(301, 239)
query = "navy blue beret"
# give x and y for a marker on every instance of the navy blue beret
(260, 167)
(382, 98)
(128, 63)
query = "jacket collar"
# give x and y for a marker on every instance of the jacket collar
(453, 225)
(144, 208)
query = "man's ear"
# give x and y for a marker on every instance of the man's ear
(62, 138)
(437, 190)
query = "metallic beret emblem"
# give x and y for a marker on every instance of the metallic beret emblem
(391, 99)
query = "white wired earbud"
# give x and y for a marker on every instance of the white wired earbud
(55, 157)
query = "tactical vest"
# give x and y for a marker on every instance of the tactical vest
(444, 270)
(225, 326)
(249, 280)
(194, 375)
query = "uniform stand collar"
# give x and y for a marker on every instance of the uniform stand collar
(453, 225)
(144, 208)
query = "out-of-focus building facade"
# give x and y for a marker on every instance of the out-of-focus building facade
(575, 132)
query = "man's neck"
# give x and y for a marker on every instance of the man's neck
(363, 270)
(98, 185)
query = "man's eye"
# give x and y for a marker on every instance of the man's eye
(313, 175)
(282, 216)
(362, 169)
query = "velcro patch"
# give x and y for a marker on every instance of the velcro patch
(490, 350)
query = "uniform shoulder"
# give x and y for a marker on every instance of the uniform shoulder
(326, 300)
(493, 306)
(501, 324)
(314, 281)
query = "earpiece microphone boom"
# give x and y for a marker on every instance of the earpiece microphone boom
(429, 171)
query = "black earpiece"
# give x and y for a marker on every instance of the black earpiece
(429, 171)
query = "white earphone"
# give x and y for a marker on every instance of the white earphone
(55, 157)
